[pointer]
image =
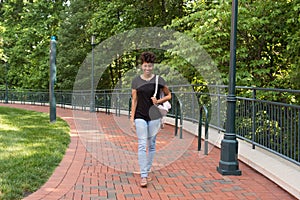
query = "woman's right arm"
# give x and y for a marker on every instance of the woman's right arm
(133, 105)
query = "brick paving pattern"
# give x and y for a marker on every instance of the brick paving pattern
(85, 173)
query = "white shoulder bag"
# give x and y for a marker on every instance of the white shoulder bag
(164, 108)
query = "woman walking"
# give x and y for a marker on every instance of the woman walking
(145, 116)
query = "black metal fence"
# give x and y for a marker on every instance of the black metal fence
(269, 124)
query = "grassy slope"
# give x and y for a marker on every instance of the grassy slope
(30, 149)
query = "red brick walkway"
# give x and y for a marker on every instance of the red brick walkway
(96, 167)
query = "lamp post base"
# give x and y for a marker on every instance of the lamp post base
(234, 172)
(228, 164)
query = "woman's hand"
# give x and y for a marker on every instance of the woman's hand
(154, 100)
(132, 124)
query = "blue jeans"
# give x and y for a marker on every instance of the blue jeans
(146, 133)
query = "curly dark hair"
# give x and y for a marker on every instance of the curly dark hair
(147, 57)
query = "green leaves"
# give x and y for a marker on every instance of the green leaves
(28, 27)
(267, 50)
(267, 47)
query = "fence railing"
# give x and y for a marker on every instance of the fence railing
(272, 125)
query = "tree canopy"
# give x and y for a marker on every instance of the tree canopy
(267, 47)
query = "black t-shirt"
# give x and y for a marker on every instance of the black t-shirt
(145, 90)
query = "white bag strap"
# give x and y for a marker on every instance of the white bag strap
(156, 85)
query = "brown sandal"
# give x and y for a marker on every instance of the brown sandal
(144, 182)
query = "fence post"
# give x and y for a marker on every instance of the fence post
(107, 101)
(200, 130)
(129, 107)
(96, 102)
(219, 108)
(176, 118)
(253, 118)
(181, 120)
(178, 105)
(118, 106)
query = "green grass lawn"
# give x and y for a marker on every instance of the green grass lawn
(30, 149)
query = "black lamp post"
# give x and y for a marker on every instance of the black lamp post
(92, 102)
(228, 164)
(52, 100)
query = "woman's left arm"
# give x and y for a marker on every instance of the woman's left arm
(167, 96)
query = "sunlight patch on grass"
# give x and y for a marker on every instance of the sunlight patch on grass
(30, 149)
(5, 126)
